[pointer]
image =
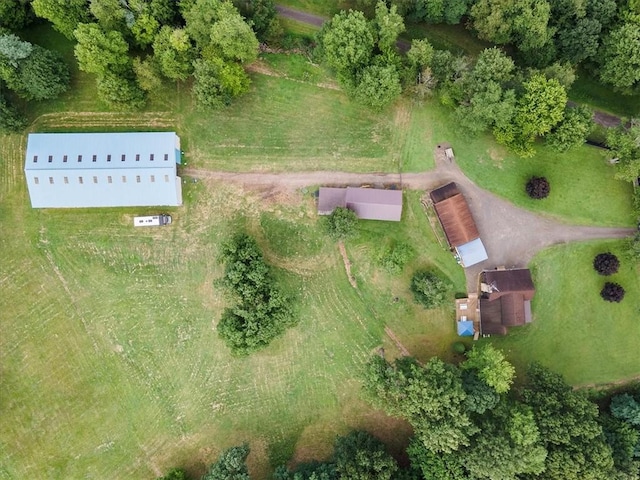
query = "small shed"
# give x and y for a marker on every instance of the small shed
(449, 153)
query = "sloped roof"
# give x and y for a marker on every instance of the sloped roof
(367, 203)
(74, 170)
(444, 192)
(331, 198)
(465, 328)
(508, 304)
(456, 220)
(509, 281)
(472, 253)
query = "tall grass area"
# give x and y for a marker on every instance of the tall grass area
(575, 332)
(587, 90)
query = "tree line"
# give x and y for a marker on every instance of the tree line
(469, 422)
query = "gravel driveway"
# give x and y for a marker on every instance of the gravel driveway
(511, 235)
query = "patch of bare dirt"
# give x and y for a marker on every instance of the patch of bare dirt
(347, 265)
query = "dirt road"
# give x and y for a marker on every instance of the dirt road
(511, 235)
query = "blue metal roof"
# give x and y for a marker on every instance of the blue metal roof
(472, 252)
(46, 151)
(465, 328)
(146, 177)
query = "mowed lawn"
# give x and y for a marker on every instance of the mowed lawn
(574, 331)
(111, 366)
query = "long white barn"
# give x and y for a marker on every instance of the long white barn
(74, 170)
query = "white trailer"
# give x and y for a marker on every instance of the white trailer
(152, 221)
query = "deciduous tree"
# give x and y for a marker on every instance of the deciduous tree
(430, 397)
(10, 119)
(15, 14)
(234, 39)
(347, 42)
(429, 290)
(389, 24)
(491, 367)
(218, 82)
(568, 427)
(174, 52)
(621, 58)
(101, 52)
(377, 86)
(573, 130)
(625, 146)
(231, 465)
(342, 223)
(360, 456)
(65, 15)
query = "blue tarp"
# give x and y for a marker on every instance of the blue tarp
(465, 328)
(472, 252)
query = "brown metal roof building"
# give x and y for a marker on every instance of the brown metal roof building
(458, 224)
(367, 203)
(506, 299)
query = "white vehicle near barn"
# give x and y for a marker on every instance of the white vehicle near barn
(152, 221)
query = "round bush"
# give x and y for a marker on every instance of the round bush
(538, 188)
(430, 290)
(612, 292)
(458, 347)
(606, 263)
(342, 223)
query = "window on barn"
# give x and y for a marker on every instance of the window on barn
(66, 179)
(95, 157)
(95, 179)
(109, 179)
(108, 158)
(51, 180)
(35, 159)
(79, 158)
(166, 178)
(166, 157)
(123, 157)
(50, 158)
(124, 179)
(64, 159)
(151, 157)
(36, 180)
(137, 157)
(80, 180)
(153, 178)
(137, 178)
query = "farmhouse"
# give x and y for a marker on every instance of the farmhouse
(505, 299)
(72, 170)
(367, 203)
(458, 224)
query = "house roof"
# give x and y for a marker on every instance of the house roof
(457, 221)
(472, 252)
(73, 170)
(509, 281)
(367, 203)
(444, 192)
(509, 302)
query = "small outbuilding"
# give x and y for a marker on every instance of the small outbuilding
(458, 224)
(367, 203)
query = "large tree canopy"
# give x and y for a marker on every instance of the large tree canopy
(430, 397)
(101, 52)
(347, 41)
(65, 15)
(621, 57)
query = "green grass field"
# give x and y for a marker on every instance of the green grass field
(110, 363)
(574, 331)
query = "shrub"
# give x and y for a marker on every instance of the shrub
(429, 290)
(538, 188)
(394, 257)
(342, 223)
(606, 263)
(458, 347)
(612, 292)
(633, 247)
